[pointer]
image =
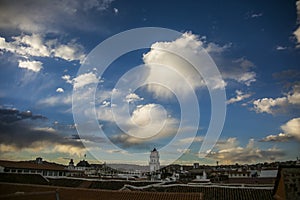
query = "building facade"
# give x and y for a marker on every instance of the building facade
(37, 166)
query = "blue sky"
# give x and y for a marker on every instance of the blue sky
(43, 45)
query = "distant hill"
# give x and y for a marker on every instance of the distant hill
(129, 167)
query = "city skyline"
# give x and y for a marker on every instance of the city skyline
(254, 45)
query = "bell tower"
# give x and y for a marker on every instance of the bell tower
(154, 160)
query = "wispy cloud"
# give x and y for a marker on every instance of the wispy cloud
(256, 15)
(63, 99)
(287, 75)
(240, 96)
(280, 48)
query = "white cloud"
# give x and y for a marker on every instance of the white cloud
(269, 105)
(147, 123)
(26, 45)
(59, 90)
(239, 97)
(35, 66)
(143, 115)
(256, 15)
(67, 78)
(291, 129)
(294, 96)
(184, 75)
(69, 149)
(280, 104)
(187, 42)
(239, 70)
(116, 11)
(132, 97)
(85, 79)
(69, 52)
(297, 35)
(32, 45)
(151, 120)
(105, 103)
(36, 46)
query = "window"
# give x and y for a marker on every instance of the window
(20, 171)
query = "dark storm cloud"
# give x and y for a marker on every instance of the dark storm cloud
(20, 130)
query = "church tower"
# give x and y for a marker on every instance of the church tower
(154, 161)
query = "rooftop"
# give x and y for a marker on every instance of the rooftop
(83, 163)
(43, 165)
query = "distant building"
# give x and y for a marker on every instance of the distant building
(196, 166)
(272, 173)
(154, 160)
(83, 165)
(239, 174)
(71, 165)
(202, 179)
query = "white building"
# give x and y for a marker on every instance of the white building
(154, 161)
(38, 166)
(268, 173)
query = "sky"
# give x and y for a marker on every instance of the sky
(61, 96)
